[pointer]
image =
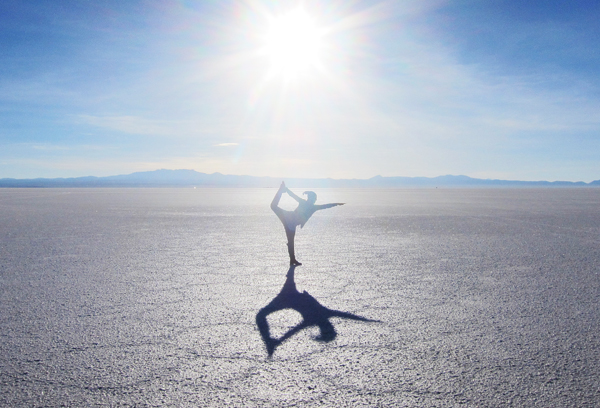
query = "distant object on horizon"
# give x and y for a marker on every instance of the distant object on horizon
(192, 178)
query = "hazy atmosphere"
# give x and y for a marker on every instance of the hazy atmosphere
(488, 89)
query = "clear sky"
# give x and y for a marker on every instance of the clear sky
(339, 88)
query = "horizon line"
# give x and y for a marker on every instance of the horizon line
(301, 178)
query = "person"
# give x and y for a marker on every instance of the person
(291, 219)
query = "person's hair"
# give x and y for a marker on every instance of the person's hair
(311, 195)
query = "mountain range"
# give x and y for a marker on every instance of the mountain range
(191, 178)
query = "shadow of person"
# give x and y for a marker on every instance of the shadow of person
(313, 314)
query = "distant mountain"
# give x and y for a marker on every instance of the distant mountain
(191, 178)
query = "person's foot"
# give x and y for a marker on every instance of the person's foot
(295, 263)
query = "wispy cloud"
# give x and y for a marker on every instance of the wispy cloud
(135, 125)
(48, 147)
(178, 127)
(226, 144)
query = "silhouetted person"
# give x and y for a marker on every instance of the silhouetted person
(313, 314)
(291, 219)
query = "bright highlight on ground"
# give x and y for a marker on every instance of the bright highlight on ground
(293, 42)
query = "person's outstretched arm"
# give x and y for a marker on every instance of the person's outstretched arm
(324, 206)
(294, 196)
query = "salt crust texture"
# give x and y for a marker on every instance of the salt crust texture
(149, 297)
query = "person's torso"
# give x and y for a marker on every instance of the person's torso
(304, 212)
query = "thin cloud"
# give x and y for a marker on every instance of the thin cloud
(226, 144)
(138, 125)
(128, 124)
(60, 148)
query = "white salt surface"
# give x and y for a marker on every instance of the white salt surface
(149, 297)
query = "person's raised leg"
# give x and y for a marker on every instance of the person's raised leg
(275, 202)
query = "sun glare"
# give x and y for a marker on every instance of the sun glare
(293, 42)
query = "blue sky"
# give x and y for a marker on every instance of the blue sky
(488, 89)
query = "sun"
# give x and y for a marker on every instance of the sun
(293, 43)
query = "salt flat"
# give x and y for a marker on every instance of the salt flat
(150, 297)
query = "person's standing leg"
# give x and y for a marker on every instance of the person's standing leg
(287, 218)
(291, 233)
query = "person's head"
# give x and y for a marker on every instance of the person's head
(311, 197)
